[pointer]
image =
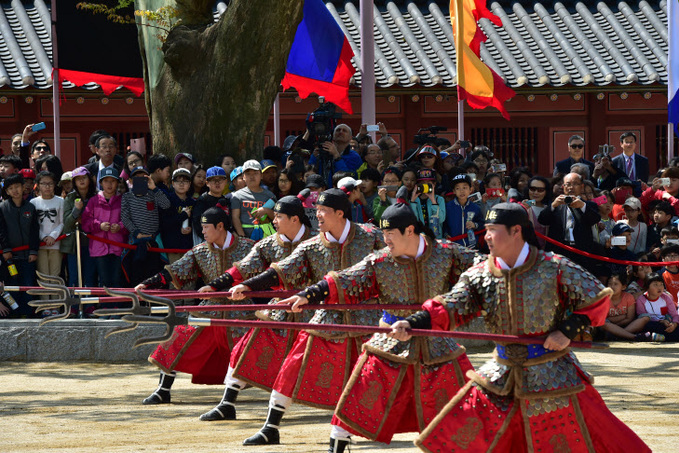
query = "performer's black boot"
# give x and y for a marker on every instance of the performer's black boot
(162, 393)
(338, 445)
(268, 435)
(225, 410)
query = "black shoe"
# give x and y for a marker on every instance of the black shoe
(265, 436)
(157, 397)
(221, 412)
(338, 445)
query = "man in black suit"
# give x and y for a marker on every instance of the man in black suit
(570, 220)
(576, 150)
(634, 165)
(106, 150)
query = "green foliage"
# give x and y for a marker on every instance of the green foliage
(164, 18)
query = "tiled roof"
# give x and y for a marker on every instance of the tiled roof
(552, 43)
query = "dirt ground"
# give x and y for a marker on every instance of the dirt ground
(85, 407)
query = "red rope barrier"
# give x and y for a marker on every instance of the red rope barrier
(25, 247)
(133, 247)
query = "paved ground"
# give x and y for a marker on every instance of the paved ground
(85, 407)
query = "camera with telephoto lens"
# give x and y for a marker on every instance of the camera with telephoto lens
(425, 188)
(427, 135)
(321, 124)
(568, 199)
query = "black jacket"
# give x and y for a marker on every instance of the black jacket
(564, 166)
(582, 231)
(640, 166)
(19, 226)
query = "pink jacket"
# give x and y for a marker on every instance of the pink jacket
(97, 211)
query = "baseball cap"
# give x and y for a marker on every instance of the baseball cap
(236, 172)
(633, 203)
(620, 228)
(139, 169)
(180, 155)
(425, 174)
(461, 178)
(314, 181)
(80, 171)
(268, 163)
(27, 173)
(109, 172)
(181, 172)
(251, 165)
(348, 183)
(67, 176)
(214, 172)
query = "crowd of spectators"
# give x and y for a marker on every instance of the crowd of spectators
(608, 207)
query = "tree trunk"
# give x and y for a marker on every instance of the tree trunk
(218, 83)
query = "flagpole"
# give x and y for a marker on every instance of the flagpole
(459, 44)
(670, 142)
(277, 120)
(367, 64)
(55, 84)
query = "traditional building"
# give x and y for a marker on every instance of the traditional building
(590, 68)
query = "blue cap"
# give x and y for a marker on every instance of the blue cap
(138, 169)
(266, 164)
(215, 171)
(236, 172)
(109, 172)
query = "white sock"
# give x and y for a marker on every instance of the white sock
(280, 400)
(337, 432)
(233, 382)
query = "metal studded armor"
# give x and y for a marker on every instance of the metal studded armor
(528, 398)
(269, 250)
(403, 281)
(208, 262)
(313, 259)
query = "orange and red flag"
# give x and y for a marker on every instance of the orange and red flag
(476, 82)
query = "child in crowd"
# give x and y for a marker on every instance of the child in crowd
(429, 208)
(494, 192)
(639, 234)
(102, 218)
(602, 231)
(624, 189)
(9, 165)
(198, 182)
(670, 274)
(175, 225)
(668, 235)
(637, 276)
(462, 216)
(159, 169)
(29, 183)
(236, 181)
(352, 188)
(620, 322)
(19, 227)
(247, 204)
(657, 308)
(370, 179)
(50, 210)
(216, 182)
(74, 205)
(620, 251)
(385, 198)
(661, 216)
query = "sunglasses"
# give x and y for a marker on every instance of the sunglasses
(577, 146)
(537, 189)
(41, 148)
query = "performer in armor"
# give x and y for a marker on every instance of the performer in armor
(201, 351)
(319, 362)
(528, 397)
(396, 386)
(257, 357)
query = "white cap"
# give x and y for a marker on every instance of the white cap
(251, 165)
(348, 183)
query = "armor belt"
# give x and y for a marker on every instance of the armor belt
(513, 351)
(389, 318)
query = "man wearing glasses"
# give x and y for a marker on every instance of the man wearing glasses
(576, 151)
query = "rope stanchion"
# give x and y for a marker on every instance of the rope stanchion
(605, 258)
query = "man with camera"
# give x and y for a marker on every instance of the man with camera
(336, 155)
(570, 221)
(576, 151)
(605, 175)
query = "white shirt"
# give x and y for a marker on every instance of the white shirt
(420, 249)
(342, 238)
(300, 233)
(523, 256)
(227, 241)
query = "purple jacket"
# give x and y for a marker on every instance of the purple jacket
(98, 211)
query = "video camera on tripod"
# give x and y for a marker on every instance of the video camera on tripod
(321, 123)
